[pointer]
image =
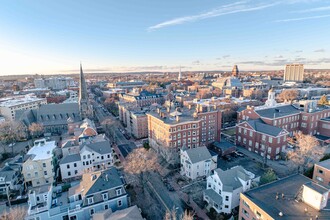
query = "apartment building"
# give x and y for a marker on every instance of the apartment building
(9, 106)
(321, 173)
(54, 83)
(257, 136)
(93, 155)
(294, 73)
(293, 197)
(224, 187)
(142, 99)
(197, 162)
(95, 193)
(39, 163)
(170, 130)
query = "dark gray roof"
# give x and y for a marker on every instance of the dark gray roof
(70, 158)
(58, 114)
(213, 196)
(278, 111)
(260, 126)
(265, 197)
(223, 145)
(7, 173)
(108, 179)
(58, 108)
(229, 178)
(325, 164)
(102, 147)
(198, 154)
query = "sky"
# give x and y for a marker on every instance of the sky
(50, 37)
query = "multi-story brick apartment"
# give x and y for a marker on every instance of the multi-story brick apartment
(303, 116)
(261, 138)
(321, 172)
(142, 99)
(170, 130)
(293, 197)
(134, 119)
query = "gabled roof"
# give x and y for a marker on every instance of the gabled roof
(278, 111)
(214, 196)
(260, 126)
(131, 213)
(101, 147)
(198, 154)
(229, 178)
(104, 180)
(7, 173)
(70, 158)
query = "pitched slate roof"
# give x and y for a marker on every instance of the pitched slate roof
(260, 126)
(198, 154)
(101, 147)
(70, 158)
(278, 111)
(229, 178)
(7, 173)
(214, 196)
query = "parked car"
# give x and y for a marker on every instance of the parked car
(240, 154)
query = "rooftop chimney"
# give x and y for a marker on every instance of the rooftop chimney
(177, 118)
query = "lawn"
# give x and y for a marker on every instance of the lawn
(231, 131)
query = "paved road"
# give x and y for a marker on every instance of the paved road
(168, 199)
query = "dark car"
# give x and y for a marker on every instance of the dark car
(226, 158)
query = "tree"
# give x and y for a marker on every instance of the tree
(288, 95)
(171, 215)
(11, 132)
(307, 152)
(109, 126)
(268, 177)
(323, 100)
(111, 105)
(36, 130)
(140, 161)
(15, 213)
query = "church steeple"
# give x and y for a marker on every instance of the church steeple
(84, 106)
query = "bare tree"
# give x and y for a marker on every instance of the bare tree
(307, 153)
(172, 215)
(140, 161)
(109, 126)
(323, 100)
(288, 95)
(15, 213)
(36, 130)
(11, 131)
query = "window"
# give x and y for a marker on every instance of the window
(76, 172)
(45, 173)
(36, 173)
(118, 192)
(84, 157)
(92, 211)
(319, 179)
(239, 130)
(43, 164)
(68, 166)
(106, 207)
(250, 133)
(320, 171)
(227, 198)
(69, 173)
(75, 164)
(105, 196)
(89, 156)
(90, 200)
(226, 206)
(270, 140)
(246, 213)
(119, 203)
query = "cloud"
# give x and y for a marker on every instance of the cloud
(299, 51)
(279, 56)
(196, 62)
(237, 7)
(283, 62)
(303, 18)
(319, 51)
(324, 8)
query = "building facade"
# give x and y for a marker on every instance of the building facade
(169, 131)
(40, 163)
(294, 73)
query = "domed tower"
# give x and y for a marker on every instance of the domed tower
(235, 72)
(271, 98)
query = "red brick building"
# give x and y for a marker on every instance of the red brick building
(169, 130)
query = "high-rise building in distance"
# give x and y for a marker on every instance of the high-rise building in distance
(294, 73)
(235, 72)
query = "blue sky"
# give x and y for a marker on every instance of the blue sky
(129, 35)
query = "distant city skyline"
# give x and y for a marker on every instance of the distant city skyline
(38, 37)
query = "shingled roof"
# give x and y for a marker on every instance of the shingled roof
(260, 126)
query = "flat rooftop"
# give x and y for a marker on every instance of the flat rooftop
(19, 101)
(265, 198)
(42, 152)
(168, 118)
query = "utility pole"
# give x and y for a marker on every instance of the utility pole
(7, 192)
